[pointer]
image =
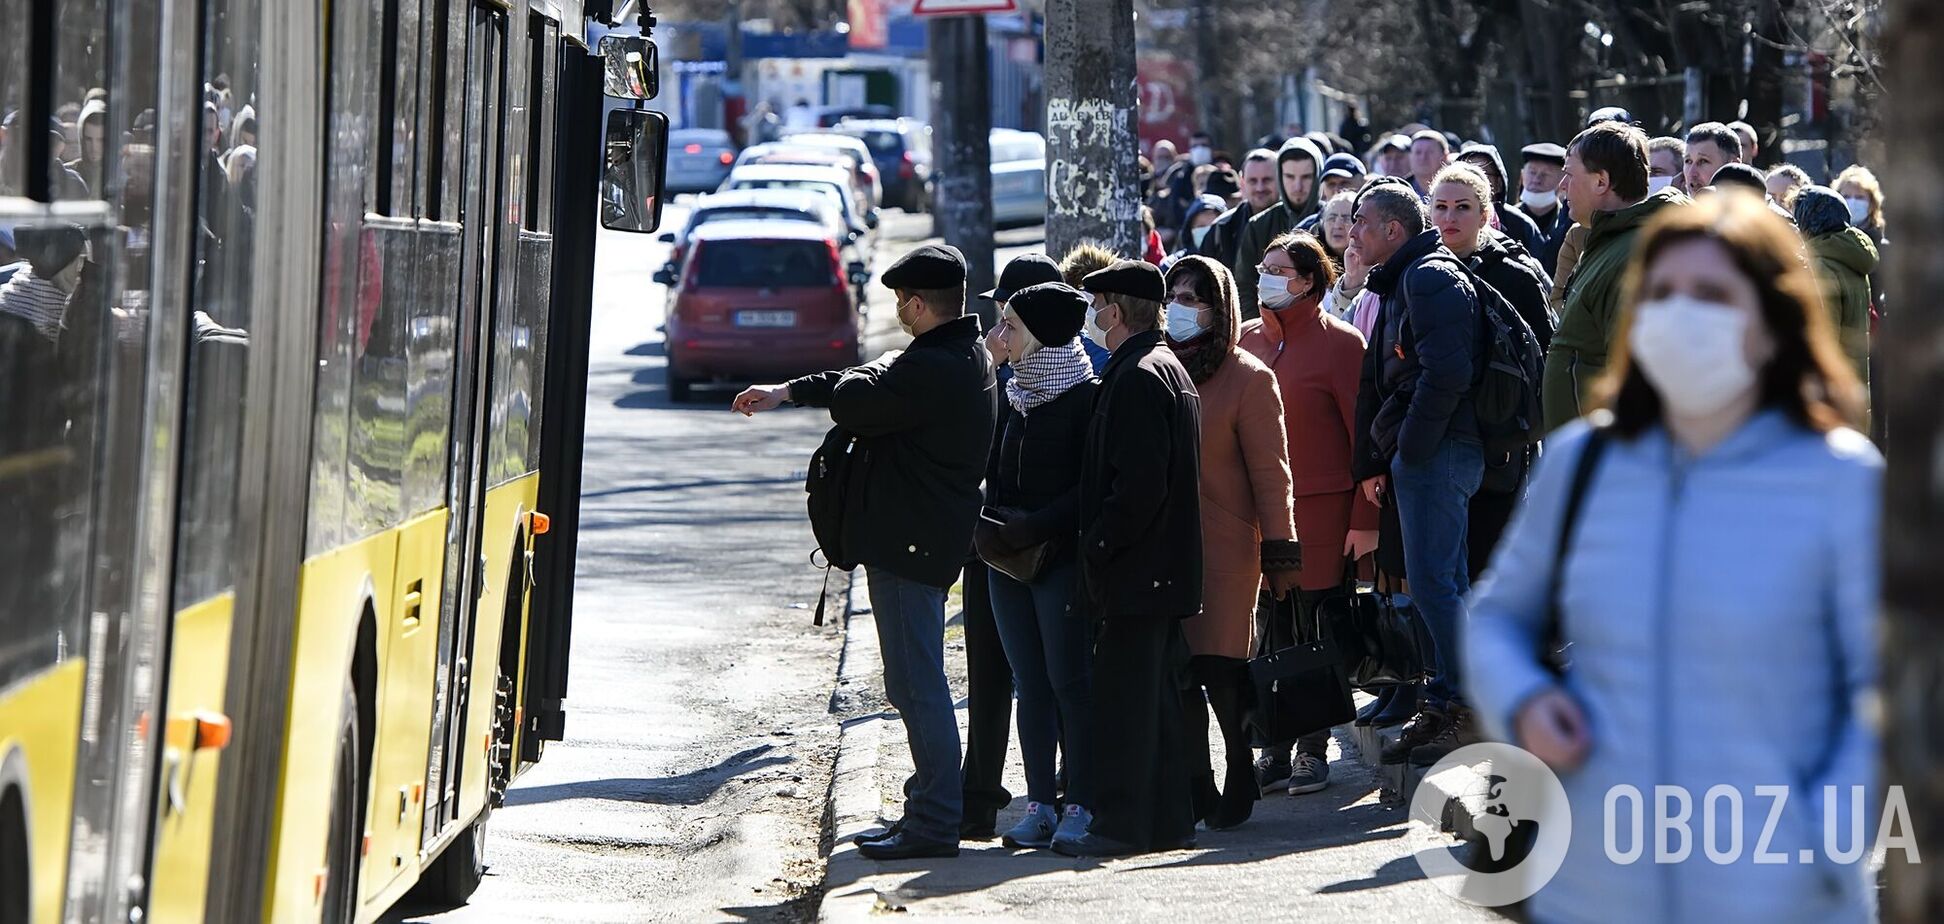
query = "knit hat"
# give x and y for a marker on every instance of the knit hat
(1051, 311)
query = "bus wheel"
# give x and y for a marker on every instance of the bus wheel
(16, 891)
(341, 888)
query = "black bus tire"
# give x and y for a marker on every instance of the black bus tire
(347, 839)
(456, 874)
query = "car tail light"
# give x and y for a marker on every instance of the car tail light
(692, 149)
(905, 167)
(727, 158)
(837, 268)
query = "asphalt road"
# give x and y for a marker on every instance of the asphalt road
(700, 742)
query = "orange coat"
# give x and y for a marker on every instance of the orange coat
(1244, 499)
(1317, 361)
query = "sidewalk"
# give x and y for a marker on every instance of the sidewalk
(1344, 853)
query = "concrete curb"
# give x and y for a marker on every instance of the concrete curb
(856, 802)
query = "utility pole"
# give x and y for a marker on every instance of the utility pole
(1093, 169)
(961, 103)
(1913, 635)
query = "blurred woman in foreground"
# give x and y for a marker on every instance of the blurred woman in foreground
(1718, 590)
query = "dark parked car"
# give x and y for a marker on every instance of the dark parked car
(902, 149)
(699, 159)
(761, 299)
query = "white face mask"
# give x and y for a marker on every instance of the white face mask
(1201, 154)
(909, 327)
(1859, 210)
(1693, 352)
(1093, 331)
(1199, 234)
(1538, 200)
(1273, 291)
(1183, 322)
(1657, 183)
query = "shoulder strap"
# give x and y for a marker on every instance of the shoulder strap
(1586, 464)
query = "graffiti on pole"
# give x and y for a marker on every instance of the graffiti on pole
(1084, 188)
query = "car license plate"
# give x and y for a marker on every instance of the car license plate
(765, 319)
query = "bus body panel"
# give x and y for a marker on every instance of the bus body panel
(38, 721)
(198, 673)
(410, 628)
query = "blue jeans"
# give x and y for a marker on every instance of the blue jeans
(1046, 641)
(910, 620)
(1433, 505)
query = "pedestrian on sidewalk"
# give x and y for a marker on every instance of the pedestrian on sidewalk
(1248, 532)
(1082, 261)
(1140, 566)
(923, 421)
(1419, 444)
(988, 674)
(1298, 164)
(1034, 486)
(1316, 359)
(1717, 591)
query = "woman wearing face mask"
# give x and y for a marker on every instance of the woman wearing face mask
(1718, 592)
(1316, 359)
(1864, 196)
(1034, 479)
(1247, 527)
(1201, 217)
(1460, 210)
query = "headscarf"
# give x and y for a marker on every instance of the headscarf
(1820, 210)
(1206, 353)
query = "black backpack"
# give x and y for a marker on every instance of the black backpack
(834, 468)
(1506, 389)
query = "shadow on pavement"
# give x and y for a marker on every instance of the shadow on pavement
(651, 348)
(692, 788)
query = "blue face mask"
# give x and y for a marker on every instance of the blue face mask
(1184, 322)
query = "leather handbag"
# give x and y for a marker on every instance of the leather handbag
(1300, 689)
(1381, 637)
(1022, 565)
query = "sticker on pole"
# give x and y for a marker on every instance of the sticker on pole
(1518, 808)
(962, 7)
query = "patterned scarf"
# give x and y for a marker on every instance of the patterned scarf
(1047, 374)
(39, 301)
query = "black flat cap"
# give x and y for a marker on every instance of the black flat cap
(1052, 311)
(1741, 175)
(1546, 151)
(1128, 277)
(1024, 270)
(929, 268)
(1610, 114)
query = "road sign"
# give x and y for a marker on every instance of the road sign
(962, 7)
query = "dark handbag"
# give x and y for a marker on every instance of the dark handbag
(1300, 689)
(1022, 565)
(1381, 635)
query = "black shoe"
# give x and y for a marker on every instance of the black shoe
(1456, 734)
(1429, 723)
(905, 846)
(981, 828)
(870, 836)
(1272, 772)
(1371, 709)
(1095, 845)
(1402, 705)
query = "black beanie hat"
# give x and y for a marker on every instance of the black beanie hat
(1052, 311)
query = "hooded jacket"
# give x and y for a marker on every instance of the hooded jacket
(1421, 363)
(1844, 260)
(1185, 236)
(1274, 222)
(1225, 236)
(1516, 224)
(1592, 306)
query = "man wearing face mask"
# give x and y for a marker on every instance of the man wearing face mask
(1418, 442)
(1539, 198)
(1605, 187)
(923, 419)
(1140, 566)
(1297, 164)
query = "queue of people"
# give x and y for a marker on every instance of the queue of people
(1160, 476)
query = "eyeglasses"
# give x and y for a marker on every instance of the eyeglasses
(1267, 270)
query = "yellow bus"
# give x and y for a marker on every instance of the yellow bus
(293, 344)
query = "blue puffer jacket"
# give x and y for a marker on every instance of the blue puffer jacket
(1721, 614)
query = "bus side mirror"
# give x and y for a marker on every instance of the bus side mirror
(633, 67)
(635, 170)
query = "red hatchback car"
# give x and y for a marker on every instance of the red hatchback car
(762, 299)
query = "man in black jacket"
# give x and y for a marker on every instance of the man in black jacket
(923, 420)
(1418, 437)
(1141, 567)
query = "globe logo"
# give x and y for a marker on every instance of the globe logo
(1516, 805)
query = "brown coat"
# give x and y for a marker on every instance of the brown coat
(1316, 359)
(1245, 499)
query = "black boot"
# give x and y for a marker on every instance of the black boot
(1423, 728)
(1231, 695)
(1194, 743)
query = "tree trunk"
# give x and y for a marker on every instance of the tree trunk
(1765, 81)
(1092, 149)
(962, 146)
(1913, 670)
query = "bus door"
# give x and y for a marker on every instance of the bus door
(481, 214)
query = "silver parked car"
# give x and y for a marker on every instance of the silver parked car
(698, 159)
(1018, 177)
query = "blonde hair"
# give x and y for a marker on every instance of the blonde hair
(1872, 190)
(1028, 344)
(1086, 257)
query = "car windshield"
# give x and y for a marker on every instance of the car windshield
(829, 191)
(1009, 149)
(708, 136)
(765, 264)
(752, 214)
(882, 142)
